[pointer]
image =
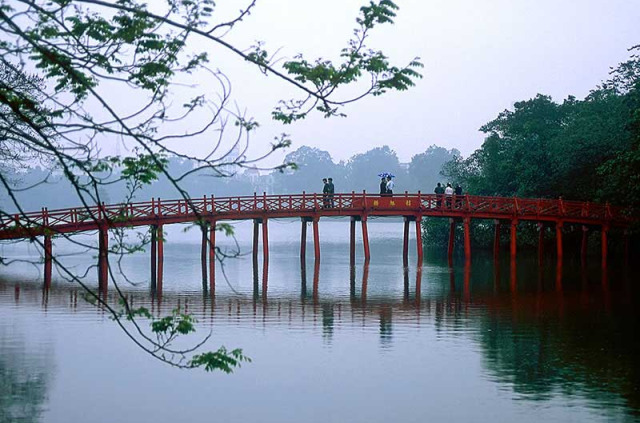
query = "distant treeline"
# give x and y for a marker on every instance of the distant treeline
(38, 187)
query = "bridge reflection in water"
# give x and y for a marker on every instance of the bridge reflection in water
(539, 330)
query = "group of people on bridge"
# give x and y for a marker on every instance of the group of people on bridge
(448, 193)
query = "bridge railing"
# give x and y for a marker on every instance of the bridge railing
(312, 202)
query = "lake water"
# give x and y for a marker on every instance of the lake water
(487, 343)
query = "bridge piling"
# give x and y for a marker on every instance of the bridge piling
(405, 242)
(103, 259)
(154, 256)
(452, 236)
(316, 240)
(540, 241)
(303, 241)
(604, 237)
(496, 239)
(212, 257)
(160, 241)
(265, 253)
(583, 245)
(467, 239)
(352, 241)
(419, 241)
(365, 239)
(47, 261)
(513, 246)
(256, 233)
(203, 255)
(559, 250)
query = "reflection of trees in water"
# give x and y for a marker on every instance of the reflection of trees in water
(24, 378)
(547, 345)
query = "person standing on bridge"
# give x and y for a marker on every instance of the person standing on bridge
(389, 186)
(325, 193)
(439, 192)
(448, 192)
(458, 193)
(331, 190)
(383, 186)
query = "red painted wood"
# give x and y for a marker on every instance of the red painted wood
(203, 255)
(154, 256)
(365, 240)
(419, 241)
(452, 235)
(103, 259)
(559, 250)
(405, 243)
(605, 231)
(467, 239)
(513, 247)
(352, 242)
(316, 240)
(583, 244)
(48, 257)
(496, 238)
(160, 259)
(212, 257)
(303, 241)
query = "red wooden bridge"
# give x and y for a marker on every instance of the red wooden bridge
(310, 208)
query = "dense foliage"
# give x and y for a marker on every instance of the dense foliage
(579, 149)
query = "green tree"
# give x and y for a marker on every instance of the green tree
(312, 164)
(64, 61)
(424, 168)
(362, 169)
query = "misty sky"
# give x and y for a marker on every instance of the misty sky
(480, 57)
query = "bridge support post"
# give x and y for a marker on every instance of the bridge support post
(265, 254)
(160, 258)
(452, 237)
(625, 250)
(365, 240)
(496, 239)
(419, 241)
(48, 256)
(513, 246)
(559, 249)
(405, 242)
(352, 241)
(154, 256)
(303, 241)
(540, 241)
(605, 232)
(212, 257)
(316, 240)
(103, 258)
(203, 255)
(583, 244)
(256, 233)
(467, 239)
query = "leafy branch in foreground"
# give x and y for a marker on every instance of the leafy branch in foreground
(84, 78)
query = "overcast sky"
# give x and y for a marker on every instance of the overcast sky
(480, 57)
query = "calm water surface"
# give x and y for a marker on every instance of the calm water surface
(489, 343)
